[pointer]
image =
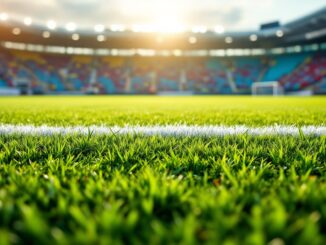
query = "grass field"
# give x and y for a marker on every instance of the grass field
(149, 110)
(116, 189)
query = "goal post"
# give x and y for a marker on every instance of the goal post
(267, 88)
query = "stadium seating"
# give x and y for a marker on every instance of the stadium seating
(246, 71)
(282, 65)
(3, 83)
(110, 72)
(50, 73)
(311, 71)
(320, 88)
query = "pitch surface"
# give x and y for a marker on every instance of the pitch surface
(89, 189)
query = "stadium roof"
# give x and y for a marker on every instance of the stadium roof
(233, 15)
(308, 29)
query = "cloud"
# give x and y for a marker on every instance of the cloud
(84, 12)
(115, 11)
(226, 16)
(233, 14)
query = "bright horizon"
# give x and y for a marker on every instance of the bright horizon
(162, 15)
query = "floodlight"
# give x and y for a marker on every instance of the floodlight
(219, 29)
(117, 27)
(228, 40)
(199, 29)
(4, 16)
(279, 33)
(71, 27)
(192, 40)
(75, 37)
(51, 24)
(253, 37)
(99, 28)
(16, 31)
(101, 38)
(46, 34)
(28, 21)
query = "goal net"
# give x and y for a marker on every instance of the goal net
(267, 88)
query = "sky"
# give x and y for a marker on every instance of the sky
(233, 15)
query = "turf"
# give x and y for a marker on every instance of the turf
(149, 110)
(162, 190)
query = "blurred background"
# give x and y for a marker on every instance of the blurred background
(179, 47)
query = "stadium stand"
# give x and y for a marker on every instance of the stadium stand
(320, 88)
(282, 65)
(142, 75)
(246, 71)
(58, 73)
(312, 70)
(218, 63)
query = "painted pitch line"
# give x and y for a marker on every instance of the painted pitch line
(167, 130)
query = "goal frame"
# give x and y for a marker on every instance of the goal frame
(275, 85)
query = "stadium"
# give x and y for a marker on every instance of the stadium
(36, 60)
(162, 133)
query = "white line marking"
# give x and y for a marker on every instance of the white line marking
(167, 130)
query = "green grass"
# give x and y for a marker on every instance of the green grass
(148, 110)
(162, 190)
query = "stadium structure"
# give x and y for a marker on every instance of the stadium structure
(36, 59)
(166, 169)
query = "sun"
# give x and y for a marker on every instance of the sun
(169, 24)
(168, 17)
(155, 16)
